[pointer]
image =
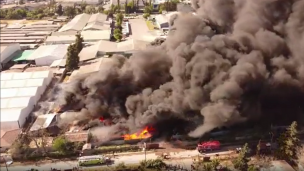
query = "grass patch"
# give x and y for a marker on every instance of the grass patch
(150, 25)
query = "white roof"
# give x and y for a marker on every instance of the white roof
(48, 118)
(96, 35)
(98, 17)
(6, 76)
(97, 26)
(58, 62)
(59, 51)
(8, 93)
(17, 102)
(25, 75)
(10, 114)
(23, 83)
(41, 74)
(35, 82)
(77, 23)
(19, 92)
(21, 76)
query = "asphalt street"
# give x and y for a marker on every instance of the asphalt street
(129, 159)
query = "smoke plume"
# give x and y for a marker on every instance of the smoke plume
(232, 62)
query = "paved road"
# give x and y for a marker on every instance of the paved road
(130, 159)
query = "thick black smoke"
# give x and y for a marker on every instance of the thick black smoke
(234, 61)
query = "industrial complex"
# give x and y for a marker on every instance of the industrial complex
(159, 76)
(34, 55)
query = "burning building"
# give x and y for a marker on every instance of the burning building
(245, 64)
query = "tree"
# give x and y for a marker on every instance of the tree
(199, 165)
(289, 144)
(59, 10)
(70, 11)
(119, 18)
(72, 60)
(146, 15)
(130, 8)
(21, 2)
(83, 6)
(90, 10)
(161, 8)
(100, 9)
(61, 144)
(118, 34)
(241, 162)
(78, 43)
(148, 9)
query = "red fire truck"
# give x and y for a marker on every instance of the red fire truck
(208, 146)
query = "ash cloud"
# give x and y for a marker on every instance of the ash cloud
(235, 61)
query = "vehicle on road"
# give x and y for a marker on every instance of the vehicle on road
(93, 160)
(208, 146)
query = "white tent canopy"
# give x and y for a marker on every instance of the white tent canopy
(20, 92)
(17, 102)
(13, 118)
(25, 75)
(39, 82)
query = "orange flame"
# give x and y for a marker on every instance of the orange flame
(144, 134)
(56, 110)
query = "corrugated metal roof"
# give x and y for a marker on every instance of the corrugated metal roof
(63, 38)
(125, 46)
(49, 50)
(96, 35)
(9, 137)
(77, 23)
(22, 38)
(59, 62)
(97, 26)
(23, 55)
(98, 17)
(43, 121)
(88, 52)
(70, 33)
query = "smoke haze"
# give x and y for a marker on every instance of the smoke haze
(236, 60)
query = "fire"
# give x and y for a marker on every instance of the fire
(57, 109)
(144, 134)
(101, 119)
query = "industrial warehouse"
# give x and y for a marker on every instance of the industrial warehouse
(34, 55)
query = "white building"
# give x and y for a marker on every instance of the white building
(46, 55)
(20, 92)
(88, 36)
(7, 52)
(77, 23)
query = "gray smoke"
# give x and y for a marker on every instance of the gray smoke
(236, 60)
